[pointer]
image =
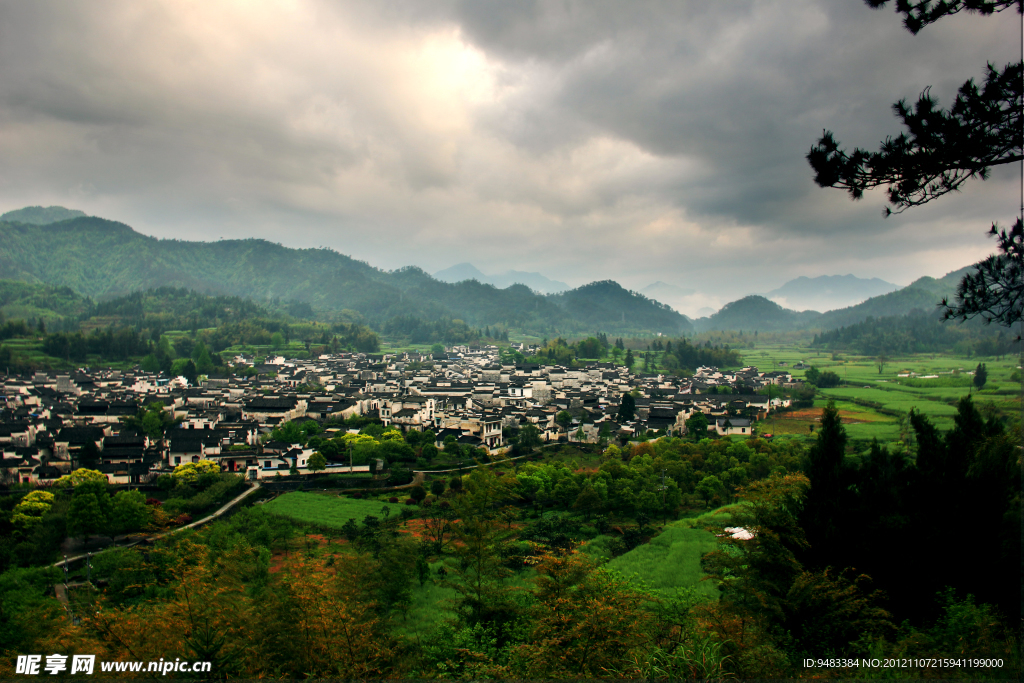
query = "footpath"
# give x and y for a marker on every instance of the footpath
(223, 509)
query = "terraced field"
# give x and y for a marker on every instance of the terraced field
(870, 401)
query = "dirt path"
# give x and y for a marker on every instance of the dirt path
(224, 508)
(470, 467)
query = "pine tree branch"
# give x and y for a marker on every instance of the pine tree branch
(941, 149)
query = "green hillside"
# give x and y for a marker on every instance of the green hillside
(105, 259)
(24, 300)
(600, 303)
(41, 215)
(758, 313)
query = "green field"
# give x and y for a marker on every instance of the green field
(327, 510)
(871, 401)
(671, 560)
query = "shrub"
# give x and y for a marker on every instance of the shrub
(183, 518)
(357, 495)
(154, 502)
(410, 501)
(392, 499)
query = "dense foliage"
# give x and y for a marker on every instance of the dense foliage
(917, 333)
(100, 259)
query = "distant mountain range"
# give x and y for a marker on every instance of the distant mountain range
(103, 259)
(535, 281)
(758, 313)
(828, 292)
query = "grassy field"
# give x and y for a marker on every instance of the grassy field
(870, 401)
(327, 510)
(672, 558)
(670, 561)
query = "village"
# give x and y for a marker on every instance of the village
(49, 422)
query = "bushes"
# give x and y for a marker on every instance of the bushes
(194, 502)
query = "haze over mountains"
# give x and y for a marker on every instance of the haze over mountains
(535, 281)
(102, 259)
(828, 292)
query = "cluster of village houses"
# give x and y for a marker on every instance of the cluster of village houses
(47, 421)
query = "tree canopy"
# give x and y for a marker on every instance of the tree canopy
(941, 149)
(995, 290)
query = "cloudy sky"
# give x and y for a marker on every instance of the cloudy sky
(584, 139)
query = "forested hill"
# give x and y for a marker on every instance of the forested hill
(601, 303)
(758, 313)
(103, 259)
(41, 215)
(922, 297)
(924, 294)
(27, 301)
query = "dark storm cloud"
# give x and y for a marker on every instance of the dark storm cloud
(743, 87)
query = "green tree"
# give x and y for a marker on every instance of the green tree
(980, 376)
(289, 432)
(588, 501)
(201, 356)
(87, 516)
(418, 493)
(826, 472)
(153, 421)
(710, 487)
(627, 408)
(31, 509)
(129, 512)
(428, 452)
(697, 425)
(437, 487)
(564, 419)
(482, 598)
(580, 433)
(630, 361)
(994, 290)
(185, 367)
(528, 439)
(756, 573)
(317, 462)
